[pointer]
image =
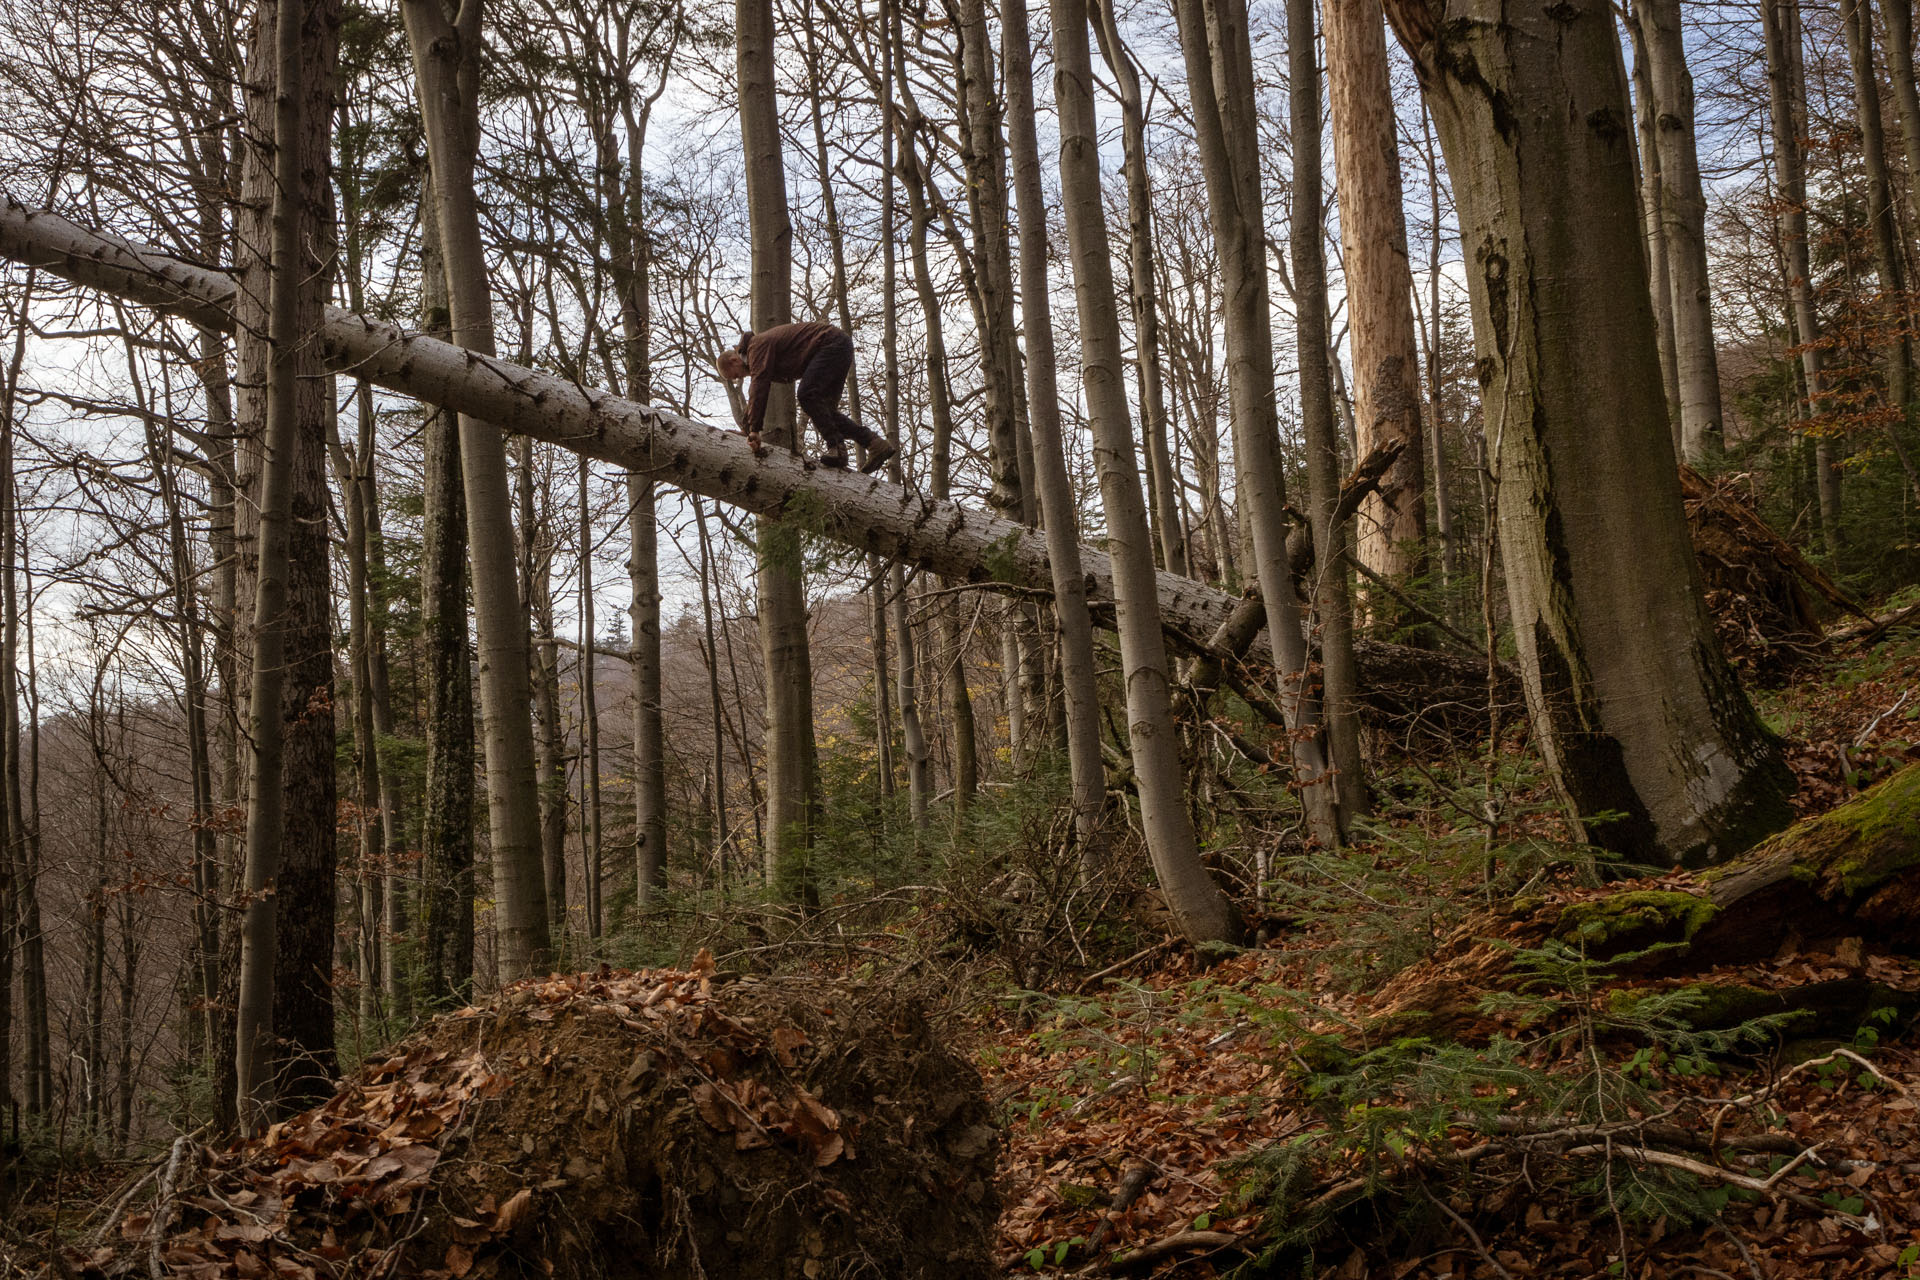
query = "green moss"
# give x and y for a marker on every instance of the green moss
(1855, 848)
(1705, 1005)
(1638, 918)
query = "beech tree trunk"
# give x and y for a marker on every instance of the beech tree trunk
(913, 737)
(1787, 101)
(1683, 223)
(1393, 403)
(1881, 220)
(1079, 695)
(1633, 706)
(1162, 482)
(792, 766)
(865, 512)
(446, 830)
(1392, 530)
(446, 65)
(1660, 280)
(285, 1040)
(1202, 911)
(1218, 54)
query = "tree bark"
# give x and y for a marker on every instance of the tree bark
(1380, 294)
(1683, 223)
(792, 766)
(1881, 219)
(1170, 535)
(1652, 205)
(446, 63)
(285, 1039)
(1202, 911)
(1392, 529)
(1079, 692)
(913, 737)
(446, 828)
(1218, 54)
(1633, 706)
(1787, 102)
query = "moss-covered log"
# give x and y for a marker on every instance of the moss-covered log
(1853, 872)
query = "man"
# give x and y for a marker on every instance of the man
(818, 357)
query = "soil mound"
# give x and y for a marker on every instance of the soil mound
(652, 1124)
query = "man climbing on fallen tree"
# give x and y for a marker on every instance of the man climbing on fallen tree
(818, 357)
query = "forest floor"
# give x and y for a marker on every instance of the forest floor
(1162, 1116)
(1190, 1079)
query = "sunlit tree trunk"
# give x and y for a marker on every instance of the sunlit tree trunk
(1633, 707)
(1392, 527)
(1683, 223)
(1652, 205)
(1787, 102)
(1214, 40)
(1379, 284)
(1881, 220)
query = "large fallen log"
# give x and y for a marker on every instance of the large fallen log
(1840, 884)
(864, 512)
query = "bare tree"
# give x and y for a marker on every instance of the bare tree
(446, 58)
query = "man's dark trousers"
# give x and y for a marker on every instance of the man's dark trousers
(818, 393)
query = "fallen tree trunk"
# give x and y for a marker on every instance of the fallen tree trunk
(1839, 883)
(860, 511)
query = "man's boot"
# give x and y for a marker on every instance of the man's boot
(877, 454)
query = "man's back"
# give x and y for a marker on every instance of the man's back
(780, 354)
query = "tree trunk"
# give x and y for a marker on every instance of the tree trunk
(860, 511)
(446, 65)
(1079, 693)
(1161, 480)
(1373, 235)
(589, 712)
(1881, 219)
(1379, 291)
(1899, 19)
(792, 766)
(446, 826)
(1216, 47)
(1203, 912)
(285, 1039)
(1652, 206)
(1633, 706)
(1683, 223)
(543, 675)
(953, 659)
(913, 737)
(1787, 100)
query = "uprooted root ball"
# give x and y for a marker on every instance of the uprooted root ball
(653, 1124)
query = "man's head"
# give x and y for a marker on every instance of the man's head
(732, 362)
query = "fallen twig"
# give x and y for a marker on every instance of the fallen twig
(1178, 1242)
(1132, 1182)
(1112, 969)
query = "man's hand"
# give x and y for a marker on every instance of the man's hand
(753, 443)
